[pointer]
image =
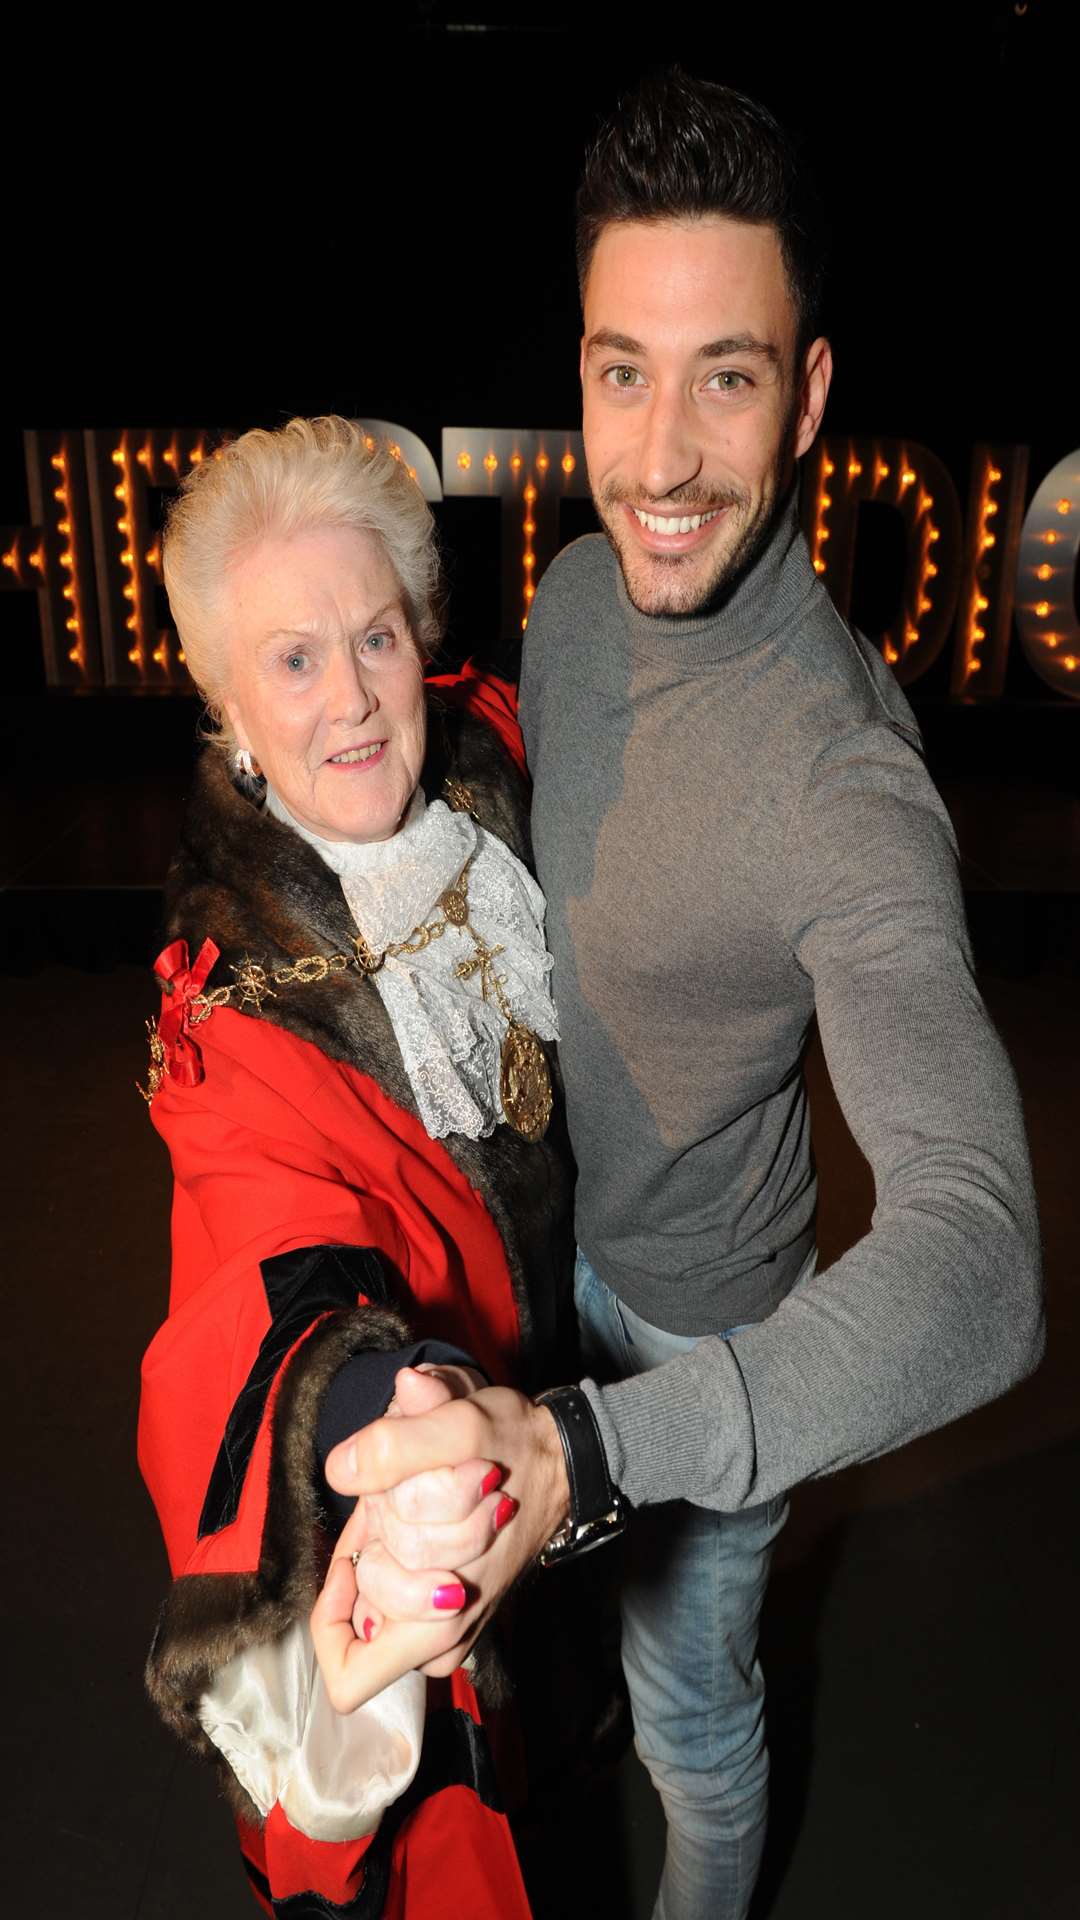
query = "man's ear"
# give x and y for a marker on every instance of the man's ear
(814, 390)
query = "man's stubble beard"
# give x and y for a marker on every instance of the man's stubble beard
(698, 595)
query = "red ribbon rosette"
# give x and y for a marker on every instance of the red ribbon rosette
(181, 988)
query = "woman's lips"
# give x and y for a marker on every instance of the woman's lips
(658, 541)
(357, 759)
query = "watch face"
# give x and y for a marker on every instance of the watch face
(583, 1535)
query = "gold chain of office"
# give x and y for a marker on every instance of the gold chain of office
(524, 1080)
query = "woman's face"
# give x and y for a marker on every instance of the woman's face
(325, 682)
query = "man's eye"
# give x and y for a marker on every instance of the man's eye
(727, 380)
(378, 642)
(622, 376)
(296, 662)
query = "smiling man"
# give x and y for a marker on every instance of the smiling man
(691, 435)
(736, 834)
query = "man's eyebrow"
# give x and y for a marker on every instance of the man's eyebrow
(744, 343)
(605, 340)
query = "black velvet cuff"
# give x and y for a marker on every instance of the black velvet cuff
(360, 1392)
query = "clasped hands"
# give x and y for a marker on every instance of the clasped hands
(457, 1490)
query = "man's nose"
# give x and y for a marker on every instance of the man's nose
(670, 454)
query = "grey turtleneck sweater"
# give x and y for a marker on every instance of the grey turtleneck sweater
(734, 830)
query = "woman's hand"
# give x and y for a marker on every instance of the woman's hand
(354, 1670)
(392, 1454)
(433, 1521)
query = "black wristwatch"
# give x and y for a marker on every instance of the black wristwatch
(597, 1508)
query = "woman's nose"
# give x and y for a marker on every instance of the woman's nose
(351, 694)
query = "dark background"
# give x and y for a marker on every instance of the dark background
(318, 216)
(215, 218)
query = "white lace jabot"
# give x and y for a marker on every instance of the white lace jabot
(449, 1035)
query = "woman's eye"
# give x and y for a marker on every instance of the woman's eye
(295, 662)
(379, 642)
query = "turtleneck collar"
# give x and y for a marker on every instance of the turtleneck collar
(760, 602)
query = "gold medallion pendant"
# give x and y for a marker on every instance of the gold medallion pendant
(525, 1083)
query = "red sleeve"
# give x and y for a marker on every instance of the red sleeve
(255, 1181)
(490, 699)
(281, 1271)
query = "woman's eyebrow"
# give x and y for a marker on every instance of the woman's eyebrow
(293, 633)
(315, 630)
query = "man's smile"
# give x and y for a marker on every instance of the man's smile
(671, 532)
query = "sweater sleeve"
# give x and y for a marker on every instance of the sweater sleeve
(938, 1308)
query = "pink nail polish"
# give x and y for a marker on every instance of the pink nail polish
(449, 1598)
(505, 1510)
(491, 1480)
(369, 1629)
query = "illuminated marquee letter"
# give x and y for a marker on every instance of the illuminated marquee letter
(1046, 571)
(995, 510)
(530, 471)
(54, 557)
(139, 644)
(408, 446)
(841, 473)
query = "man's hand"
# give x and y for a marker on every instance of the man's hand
(433, 1451)
(429, 1524)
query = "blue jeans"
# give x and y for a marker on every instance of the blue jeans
(690, 1604)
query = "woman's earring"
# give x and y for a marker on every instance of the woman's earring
(246, 763)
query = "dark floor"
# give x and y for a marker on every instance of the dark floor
(921, 1629)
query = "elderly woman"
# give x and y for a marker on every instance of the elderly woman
(349, 1074)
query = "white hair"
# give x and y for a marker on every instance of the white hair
(311, 473)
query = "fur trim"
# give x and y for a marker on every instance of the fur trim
(208, 1618)
(257, 889)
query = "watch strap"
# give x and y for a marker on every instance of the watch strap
(597, 1509)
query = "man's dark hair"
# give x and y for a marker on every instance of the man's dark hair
(678, 148)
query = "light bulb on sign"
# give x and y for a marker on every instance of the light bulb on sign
(1056, 610)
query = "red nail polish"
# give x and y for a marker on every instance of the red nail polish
(505, 1510)
(369, 1629)
(490, 1481)
(449, 1598)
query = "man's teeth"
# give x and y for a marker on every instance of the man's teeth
(354, 753)
(660, 523)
